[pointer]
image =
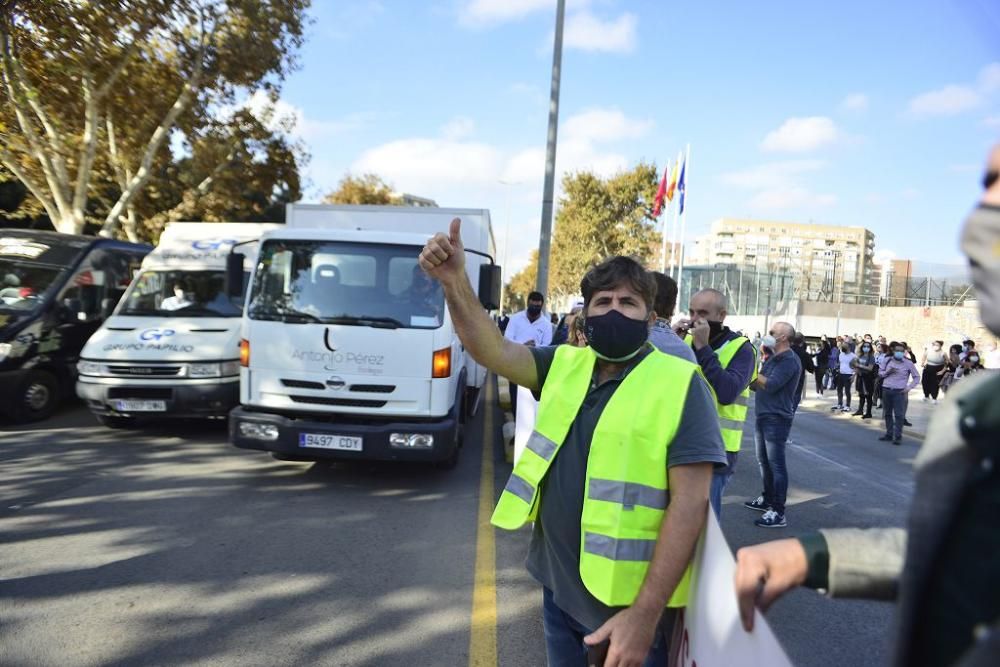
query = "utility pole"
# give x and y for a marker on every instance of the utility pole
(545, 234)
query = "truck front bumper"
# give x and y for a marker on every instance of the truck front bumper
(287, 435)
(179, 399)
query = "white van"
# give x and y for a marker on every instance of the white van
(171, 347)
(348, 350)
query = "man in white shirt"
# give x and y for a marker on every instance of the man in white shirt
(177, 301)
(991, 360)
(529, 327)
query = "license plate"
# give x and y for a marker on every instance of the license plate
(347, 443)
(141, 406)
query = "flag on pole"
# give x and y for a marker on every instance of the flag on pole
(672, 184)
(680, 185)
(661, 192)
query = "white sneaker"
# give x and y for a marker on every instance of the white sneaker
(845, 409)
(925, 399)
(934, 402)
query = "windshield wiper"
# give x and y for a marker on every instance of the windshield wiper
(376, 322)
(297, 316)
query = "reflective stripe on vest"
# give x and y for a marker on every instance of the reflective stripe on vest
(626, 490)
(733, 416)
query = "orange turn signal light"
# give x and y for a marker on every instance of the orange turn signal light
(442, 363)
(244, 353)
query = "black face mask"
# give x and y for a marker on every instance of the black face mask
(534, 311)
(714, 328)
(614, 337)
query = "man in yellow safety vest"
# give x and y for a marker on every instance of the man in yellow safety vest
(729, 362)
(616, 474)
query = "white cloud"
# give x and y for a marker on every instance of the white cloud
(778, 185)
(992, 121)
(798, 135)
(282, 116)
(424, 166)
(492, 12)
(586, 32)
(947, 101)
(855, 102)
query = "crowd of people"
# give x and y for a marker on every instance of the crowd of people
(638, 429)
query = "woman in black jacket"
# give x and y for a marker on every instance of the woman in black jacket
(822, 364)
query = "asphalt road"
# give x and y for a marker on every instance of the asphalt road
(167, 546)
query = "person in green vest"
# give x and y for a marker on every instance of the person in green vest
(616, 474)
(729, 361)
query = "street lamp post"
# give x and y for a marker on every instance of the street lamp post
(506, 237)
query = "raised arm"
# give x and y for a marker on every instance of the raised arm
(443, 258)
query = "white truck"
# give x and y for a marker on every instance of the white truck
(348, 349)
(171, 347)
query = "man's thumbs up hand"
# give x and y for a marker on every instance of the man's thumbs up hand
(443, 258)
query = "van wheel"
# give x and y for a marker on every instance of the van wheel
(36, 397)
(116, 422)
(452, 461)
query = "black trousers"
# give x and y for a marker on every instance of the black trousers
(819, 372)
(844, 389)
(930, 381)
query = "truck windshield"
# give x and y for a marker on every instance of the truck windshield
(23, 284)
(181, 293)
(355, 284)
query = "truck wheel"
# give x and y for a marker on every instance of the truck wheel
(452, 461)
(36, 397)
(112, 421)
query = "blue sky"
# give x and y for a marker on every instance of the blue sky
(855, 113)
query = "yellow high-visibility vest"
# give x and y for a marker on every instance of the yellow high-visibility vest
(626, 485)
(732, 417)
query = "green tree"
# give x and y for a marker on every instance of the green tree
(520, 286)
(92, 91)
(597, 218)
(364, 189)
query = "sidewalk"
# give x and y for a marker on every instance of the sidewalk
(918, 413)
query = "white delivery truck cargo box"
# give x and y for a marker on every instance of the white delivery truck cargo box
(349, 349)
(171, 348)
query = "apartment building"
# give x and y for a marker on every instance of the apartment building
(827, 262)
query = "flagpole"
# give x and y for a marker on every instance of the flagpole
(663, 234)
(673, 242)
(680, 269)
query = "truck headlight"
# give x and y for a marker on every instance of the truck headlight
(5, 349)
(411, 440)
(88, 368)
(204, 370)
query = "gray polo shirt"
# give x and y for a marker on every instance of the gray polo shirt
(554, 554)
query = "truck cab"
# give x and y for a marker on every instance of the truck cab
(55, 291)
(349, 351)
(171, 348)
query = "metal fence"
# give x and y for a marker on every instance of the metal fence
(753, 292)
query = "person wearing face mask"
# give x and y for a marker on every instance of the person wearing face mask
(729, 362)
(662, 335)
(616, 474)
(865, 369)
(845, 377)
(528, 327)
(933, 362)
(899, 375)
(971, 364)
(942, 569)
(178, 300)
(774, 409)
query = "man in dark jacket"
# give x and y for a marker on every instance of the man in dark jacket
(799, 347)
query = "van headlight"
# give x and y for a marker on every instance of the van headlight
(88, 368)
(5, 349)
(204, 370)
(231, 367)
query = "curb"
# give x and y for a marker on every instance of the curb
(871, 425)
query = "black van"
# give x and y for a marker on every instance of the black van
(55, 290)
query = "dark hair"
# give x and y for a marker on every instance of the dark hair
(956, 348)
(616, 271)
(666, 294)
(969, 342)
(536, 296)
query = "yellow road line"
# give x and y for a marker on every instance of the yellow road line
(483, 637)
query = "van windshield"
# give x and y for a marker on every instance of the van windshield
(23, 284)
(336, 282)
(181, 293)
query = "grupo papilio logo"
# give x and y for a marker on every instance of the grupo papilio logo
(155, 334)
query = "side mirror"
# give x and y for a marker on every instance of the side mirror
(490, 279)
(234, 275)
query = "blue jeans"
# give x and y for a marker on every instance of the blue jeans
(769, 438)
(720, 478)
(894, 403)
(564, 637)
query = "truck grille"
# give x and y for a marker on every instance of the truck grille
(373, 388)
(302, 384)
(141, 392)
(342, 402)
(144, 371)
